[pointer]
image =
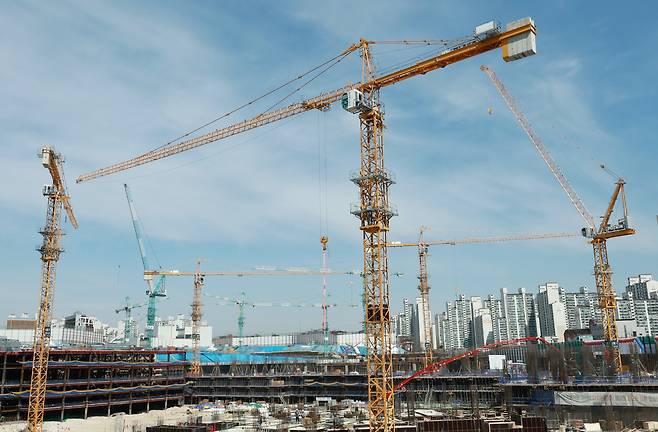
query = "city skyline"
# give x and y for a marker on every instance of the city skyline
(548, 312)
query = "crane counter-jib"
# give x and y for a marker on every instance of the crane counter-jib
(518, 39)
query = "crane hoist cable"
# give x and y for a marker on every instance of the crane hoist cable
(313, 78)
(323, 190)
(263, 96)
(222, 150)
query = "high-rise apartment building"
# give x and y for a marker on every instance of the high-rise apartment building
(642, 291)
(408, 314)
(643, 287)
(455, 325)
(499, 327)
(520, 317)
(478, 321)
(581, 308)
(551, 311)
(483, 332)
(419, 330)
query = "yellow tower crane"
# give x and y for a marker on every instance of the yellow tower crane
(517, 40)
(599, 235)
(57, 197)
(424, 287)
(199, 277)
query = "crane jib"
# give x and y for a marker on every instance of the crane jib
(474, 47)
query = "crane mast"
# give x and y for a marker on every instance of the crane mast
(599, 236)
(373, 180)
(50, 250)
(241, 317)
(424, 288)
(196, 322)
(603, 271)
(374, 212)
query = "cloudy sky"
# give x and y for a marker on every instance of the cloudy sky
(104, 81)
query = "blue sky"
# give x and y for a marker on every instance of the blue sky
(105, 81)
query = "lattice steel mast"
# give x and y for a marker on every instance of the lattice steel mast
(375, 213)
(424, 288)
(195, 370)
(50, 249)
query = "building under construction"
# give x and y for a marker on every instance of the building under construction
(559, 385)
(88, 382)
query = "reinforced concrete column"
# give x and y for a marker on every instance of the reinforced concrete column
(4, 373)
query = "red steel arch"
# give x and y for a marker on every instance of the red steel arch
(435, 367)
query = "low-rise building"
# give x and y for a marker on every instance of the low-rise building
(177, 332)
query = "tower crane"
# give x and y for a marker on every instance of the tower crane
(199, 276)
(127, 308)
(423, 253)
(374, 211)
(599, 235)
(196, 321)
(154, 289)
(241, 315)
(57, 197)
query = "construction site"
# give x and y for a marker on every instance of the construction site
(486, 374)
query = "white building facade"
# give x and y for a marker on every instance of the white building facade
(551, 311)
